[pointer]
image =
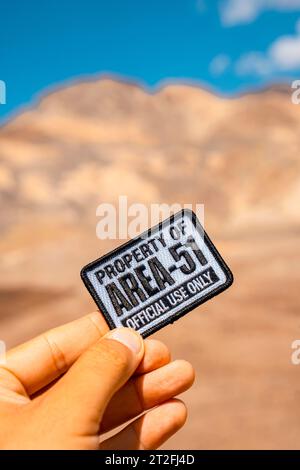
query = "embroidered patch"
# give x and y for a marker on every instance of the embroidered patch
(158, 277)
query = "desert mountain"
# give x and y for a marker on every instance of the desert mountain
(92, 141)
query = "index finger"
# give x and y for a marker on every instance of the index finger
(41, 360)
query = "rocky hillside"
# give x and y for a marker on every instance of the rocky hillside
(89, 142)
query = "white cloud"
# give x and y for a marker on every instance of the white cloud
(282, 55)
(219, 64)
(244, 11)
(253, 63)
(238, 11)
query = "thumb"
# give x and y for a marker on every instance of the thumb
(82, 395)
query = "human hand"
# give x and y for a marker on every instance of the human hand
(65, 388)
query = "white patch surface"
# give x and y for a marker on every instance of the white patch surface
(197, 275)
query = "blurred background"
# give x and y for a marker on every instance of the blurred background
(183, 101)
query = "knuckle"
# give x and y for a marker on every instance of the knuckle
(58, 357)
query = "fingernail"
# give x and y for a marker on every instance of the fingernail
(128, 337)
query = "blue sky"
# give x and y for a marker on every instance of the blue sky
(228, 45)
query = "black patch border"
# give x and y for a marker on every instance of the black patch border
(134, 241)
